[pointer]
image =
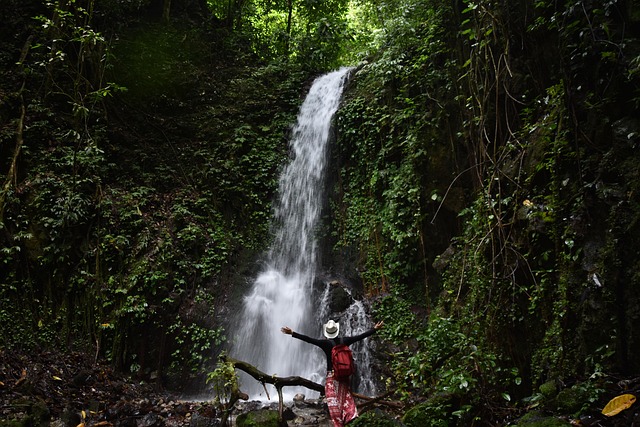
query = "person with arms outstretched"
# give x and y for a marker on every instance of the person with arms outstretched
(342, 406)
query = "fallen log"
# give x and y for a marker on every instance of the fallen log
(280, 382)
(277, 382)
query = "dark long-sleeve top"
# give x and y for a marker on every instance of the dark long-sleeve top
(327, 345)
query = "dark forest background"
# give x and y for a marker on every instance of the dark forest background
(484, 185)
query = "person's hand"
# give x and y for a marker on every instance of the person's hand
(286, 330)
(378, 325)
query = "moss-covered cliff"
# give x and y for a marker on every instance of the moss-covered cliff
(487, 192)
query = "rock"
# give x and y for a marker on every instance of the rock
(198, 420)
(537, 419)
(549, 389)
(309, 413)
(260, 418)
(151, 420)
(288, 415)
(340, 298)
(570, 400)
(299, 397)
(181, 409)
(83, 377)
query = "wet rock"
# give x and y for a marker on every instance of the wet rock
(181, 409)
(84, 377)
(199, 420)
(252, 405)
(151, 420)
(310, 413)
(340, 298)
(288, 414)
(259, 418)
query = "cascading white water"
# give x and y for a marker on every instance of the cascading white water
(353, 321)
(281, 293)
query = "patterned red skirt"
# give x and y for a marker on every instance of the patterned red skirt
(342, 407)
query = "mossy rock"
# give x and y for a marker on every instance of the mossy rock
(340, 299)
(538, 419)
(571, 400)
(37, 415)
(40, 413)
(24, 422)
(260, 418)
(375, 418)
(549, 389)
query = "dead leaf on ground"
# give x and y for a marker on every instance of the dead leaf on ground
(618, 404)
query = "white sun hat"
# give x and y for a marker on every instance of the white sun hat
(331, 329)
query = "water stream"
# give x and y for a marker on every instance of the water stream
(281, 294)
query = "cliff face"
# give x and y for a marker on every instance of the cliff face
(490, 173)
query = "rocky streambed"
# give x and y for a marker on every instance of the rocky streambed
(72, 390)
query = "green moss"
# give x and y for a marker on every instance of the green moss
(258, 419)
(537, 419)
(549, 389)
(24, 422)
(572, 400)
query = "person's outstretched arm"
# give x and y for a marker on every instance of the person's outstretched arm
(356, 338)
(288, 331)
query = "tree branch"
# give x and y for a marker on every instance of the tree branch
(278, 382)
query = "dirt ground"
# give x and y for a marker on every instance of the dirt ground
(72, 390)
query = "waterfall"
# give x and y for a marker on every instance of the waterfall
(281, 294)
(353, 321)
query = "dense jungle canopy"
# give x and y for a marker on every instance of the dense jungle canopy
(483, 193)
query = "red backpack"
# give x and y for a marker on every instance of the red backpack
(342, 359)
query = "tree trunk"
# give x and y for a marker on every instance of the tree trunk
(166, 11)
(12, 172)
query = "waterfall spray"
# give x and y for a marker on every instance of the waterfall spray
(281, 293)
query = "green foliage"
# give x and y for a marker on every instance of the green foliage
(260, 418)
(516, 251)
(124, 233)
(401, 323)
(374, 418)
(446, 358)
(312, 34)
(435, 412)
(224, 380)
(194, 346)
